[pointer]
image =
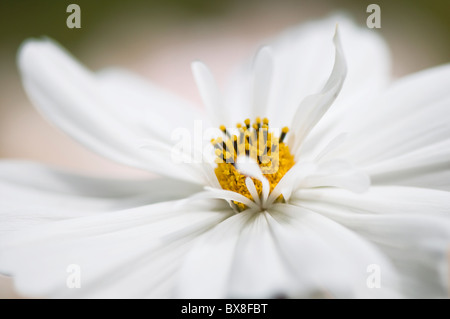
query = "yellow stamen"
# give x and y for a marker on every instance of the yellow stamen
(284, 131)
(270, 152)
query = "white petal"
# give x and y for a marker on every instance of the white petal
(313, 107)
(214, 193)
(247, 166)
(409, 225)
(133, 253)
(252, 189)
(427, 167)
(209, 93)
(290, 181)
(303, 58)
(403, 137)
(258, 271)
(71, 97)
(145, 107)
(418, 247)
(326, 258)
(32, 194)
(206, 271)
(238, 258)
(380, 200)
(184, 164)
(288, 252)
(238, 94)
(332, 145)
(36, 176)
(337, 173)
(263, 66)
(410, 132)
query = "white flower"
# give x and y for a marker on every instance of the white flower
(364, 212)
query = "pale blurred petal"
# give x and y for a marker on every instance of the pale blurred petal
(409, 225)
(33, 194)
(115, 252)
(145, 107)
(402, 137)
(289, 252)
(209, 93)
(70, 96)
(303, 58)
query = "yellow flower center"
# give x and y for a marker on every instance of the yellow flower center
(257, 142)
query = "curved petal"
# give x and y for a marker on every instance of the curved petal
(402, 137)
(303, 58)
(133, 253)
(314, 107)
(72, 98)
(411, 226)
(32, 194)
(214, 193)
(334, 173)
(247, 166)
(288, 183)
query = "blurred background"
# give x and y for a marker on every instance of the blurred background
(159, 39)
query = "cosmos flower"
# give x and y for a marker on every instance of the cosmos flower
(321, 178)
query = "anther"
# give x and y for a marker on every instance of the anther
(258, 122)
(247, 123)
(224, 130)
(284, 131)
(235, 144)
